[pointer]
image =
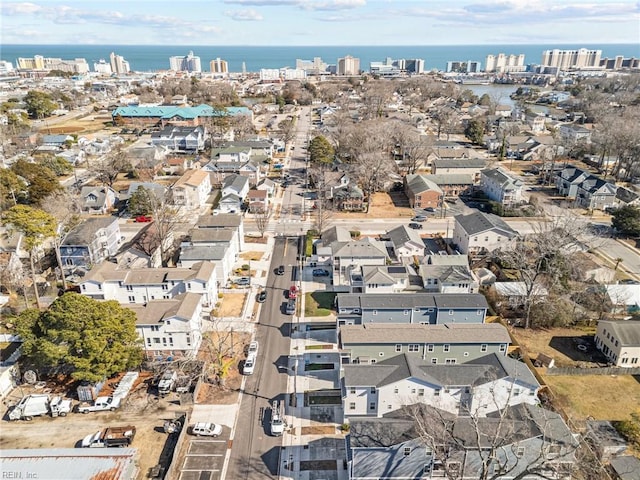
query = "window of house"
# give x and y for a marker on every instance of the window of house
(99, 286)
(446, 389)
(616, 343)
(414, 347)
(436, 392)
(373, 360)
(132, 299)
(84, 287)
(520, 452)
(450, 312)
(532, 392)
(516, 391)
(352, 405)
(149, 341)
(156, 339)
(352, 390)
(166, 297)
(389, 407)
(430, 347)
(372, 406)
(421, 392)
(373, 390)
(129, 288)
(164, 341)
(483, 347)
(395, 390)
(406, 312)
(503, 347)
(634, 360)
(413, 391)
(625, 360)
(375, 312)
(450, 361)
(171, 341)
(446, 347)
(434, 361)
(407, 451)
(398, 347)
(165, 286)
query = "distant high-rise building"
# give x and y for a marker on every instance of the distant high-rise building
(463, 67)
(312, 67)
(38, 62)
(119, 65)
(413, 65)
(502, 63)
(102, 67)
(348, 66)
(5, 67)
(219, 66)
(190, 63)
(567, 59)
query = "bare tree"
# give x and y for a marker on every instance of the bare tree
(375, 97)
(224, 347)
(412, 147)
(107, 167)
(166, 220)
(262, 217)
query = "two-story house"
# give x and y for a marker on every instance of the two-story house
(422, 192)
(372, 342)
(459, 166)
(142, 285)
(180, 139)
(448, 274)
(588, 191)
(420, 308)
(237, 159)
(224, 221)
(380, 279)
(234, 191)
(91, 242)
(423, 442)
(170, 328)
(477, 388)
(619, 340)
(405, 242)
(501, 187)
(573, 133)
(192, 189)
(97, 200)
(481, 232)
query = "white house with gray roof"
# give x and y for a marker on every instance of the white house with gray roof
(394, 446)
(501, 187)
(372, 342)
(420, 308)
(224, 221)
(380, 279)
(459, 166)
(97, 200)
(170, 328)
(448, 274)
(476, 388)
(141, 285)
(619, 340)
(481, 232)
(405, 242)
(91, 242)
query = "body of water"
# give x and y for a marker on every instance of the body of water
(144, 58)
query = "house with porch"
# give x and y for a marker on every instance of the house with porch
(501, 187)
(180, 139)
(448, 274)
(405, 242)
(97, 200)
(380, 279)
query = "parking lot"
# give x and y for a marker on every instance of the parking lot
(204, 457)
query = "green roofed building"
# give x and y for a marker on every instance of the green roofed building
(148, 116)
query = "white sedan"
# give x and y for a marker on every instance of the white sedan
(203, 429)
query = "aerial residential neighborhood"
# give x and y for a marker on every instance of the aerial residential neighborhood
(325, 272)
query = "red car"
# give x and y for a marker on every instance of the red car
(293, 291)
(143, 219)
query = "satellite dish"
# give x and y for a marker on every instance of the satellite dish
(30, 377)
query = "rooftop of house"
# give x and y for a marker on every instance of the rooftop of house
(451, 178)
(203, 252)
(383, 275)
(171, 111)
(480, 371)
(85, 233)
(627, 332)
(420, 183)
(472, 163)
(437, 259)
(221, 220)
(235, 182)
(500, 176)
(109, 272)
(211, 235)
(182, 306)
(480, 222)
(380, 301)
(192, 178)
(176, 131)
(379, 333)
(402, 235)
(447, 274)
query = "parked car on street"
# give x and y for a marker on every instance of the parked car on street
(293, 291)
(252, 350)
(415, 226)
(280, 270)
(430, 209)
(419, 218)
(143, 219)
(261, 297)
(249, 365)
(319, 272)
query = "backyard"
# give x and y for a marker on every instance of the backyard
(232, 304)
(318, 304)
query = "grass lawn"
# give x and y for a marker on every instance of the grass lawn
(232, 304)
(602, 397)
(318, 304)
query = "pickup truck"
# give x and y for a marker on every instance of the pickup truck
(110, 437)
(167, 382)
(100, 405)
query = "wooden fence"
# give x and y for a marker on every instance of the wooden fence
(593, 371)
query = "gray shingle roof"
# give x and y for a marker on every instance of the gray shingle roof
(85, 233)
(471, 163)
(204, 252)
(420, 183)
(479, 222)
(415, 300)
(402, 234)
(627, 332)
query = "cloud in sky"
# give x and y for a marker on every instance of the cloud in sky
(321, 22)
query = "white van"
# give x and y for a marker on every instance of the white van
(249, 365)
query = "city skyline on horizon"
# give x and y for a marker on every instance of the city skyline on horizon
(320, 22)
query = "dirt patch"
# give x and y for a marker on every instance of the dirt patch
(250, 239)
(318, 430)
(383, 205)
(306, 465)
(595, 396)
(252, 255)
(558, 343)
(232, 305)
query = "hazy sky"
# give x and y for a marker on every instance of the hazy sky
(320, 22)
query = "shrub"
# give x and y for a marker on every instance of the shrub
(245, 266)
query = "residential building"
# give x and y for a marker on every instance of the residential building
(311, 67)
(422, 192)
(97, 200)
(224, 221)
(481, 232)
(619, 340)
(38, 62)
(459, 166)
(258, 201)
(380, 279)
(188, 63)
(119, 65)
(624, 298)
(530, 442)
(170, 328)
(452, 185)
(573, 133)
(141, 116)
(235, 189)
(476, 388)
(405, 242)
(588, 191)
(218, 66)
(91, 242)
(371, 343)
(180, 139)
(348, 66)
(516, 294)
(141, 285)
(501, 187)
(345, 255)
(448, 274)
(420, 308)
(502, 63)
(192, 189)
(571, 59)
(102, 67)
(468, 66)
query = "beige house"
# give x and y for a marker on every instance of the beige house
(619, 340)
(481, 232)
(192, 189)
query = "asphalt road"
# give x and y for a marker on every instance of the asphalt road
(255, 454)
